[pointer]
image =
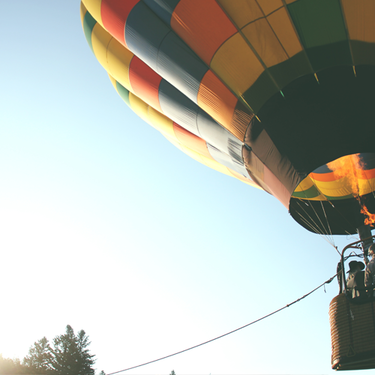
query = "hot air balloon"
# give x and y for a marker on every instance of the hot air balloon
(276, 93)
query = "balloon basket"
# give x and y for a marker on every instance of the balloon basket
(352, 333)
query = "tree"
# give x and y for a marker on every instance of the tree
(70, 355)
(11, 366)
(39, 360)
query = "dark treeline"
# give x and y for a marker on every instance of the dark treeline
(67, 355)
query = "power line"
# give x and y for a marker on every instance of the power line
(228, 333)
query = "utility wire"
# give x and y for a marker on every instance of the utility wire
(228, 333)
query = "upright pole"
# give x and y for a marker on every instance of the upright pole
(364, 232)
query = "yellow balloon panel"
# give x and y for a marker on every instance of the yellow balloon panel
(359, 17)
(239, 71)
(94, 7)
(264, 41)
(284, 31)
(242, 12)
(113, 56)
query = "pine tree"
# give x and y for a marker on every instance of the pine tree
(39, 358)
(70, 355)
(86, 359)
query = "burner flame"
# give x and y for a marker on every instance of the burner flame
(349, 168)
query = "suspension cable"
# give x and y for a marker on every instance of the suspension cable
(325, 215)
(324, 231)
(312, 224)
(228, 333)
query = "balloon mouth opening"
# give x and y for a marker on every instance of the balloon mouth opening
(350, 176)
(341, 191)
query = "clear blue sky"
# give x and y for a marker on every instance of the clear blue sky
(106, 226)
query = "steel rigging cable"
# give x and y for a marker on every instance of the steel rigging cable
(228, 333)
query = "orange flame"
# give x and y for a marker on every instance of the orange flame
(348, 167)
(370, 217)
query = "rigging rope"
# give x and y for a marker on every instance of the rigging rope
(320, 228)
(324, 231)
(312, 224)
(325, 215)
(228, 333)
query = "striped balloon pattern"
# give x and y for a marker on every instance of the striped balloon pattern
(270, 92)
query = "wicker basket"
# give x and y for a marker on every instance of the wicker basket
(352, 333)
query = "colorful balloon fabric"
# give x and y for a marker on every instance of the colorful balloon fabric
(271, 92)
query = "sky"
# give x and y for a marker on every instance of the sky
(106, 226)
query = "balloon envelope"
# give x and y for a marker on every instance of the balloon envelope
(269, 92)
